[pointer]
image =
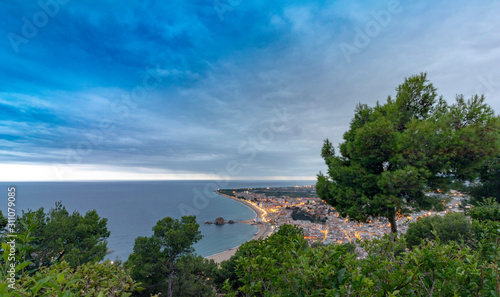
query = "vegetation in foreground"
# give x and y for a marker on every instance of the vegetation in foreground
(427, 261)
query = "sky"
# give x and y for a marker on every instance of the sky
(224, 89)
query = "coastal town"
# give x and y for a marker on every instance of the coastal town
(301, 207)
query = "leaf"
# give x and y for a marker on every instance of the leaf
(40, 284)
(60, 278)
(22, 265)
(51, 285)
(6, 249)
(341, 273)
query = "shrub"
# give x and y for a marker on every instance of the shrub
(451, 227)
(489, 210)
(97, 279)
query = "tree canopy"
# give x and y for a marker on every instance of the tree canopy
(414, 142)
(58, 235)
(488, 184)
(154, 258)
(3, 221)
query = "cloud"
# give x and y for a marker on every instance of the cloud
(218, 78)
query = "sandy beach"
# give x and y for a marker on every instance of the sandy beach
(264, 230)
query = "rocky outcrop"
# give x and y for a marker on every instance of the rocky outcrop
(219, 221)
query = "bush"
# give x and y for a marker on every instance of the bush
(97, 279)
(283, 265)
(452, 227)
(489, 210)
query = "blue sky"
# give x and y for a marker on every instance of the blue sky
(218, 89)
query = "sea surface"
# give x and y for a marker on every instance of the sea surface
(133, 207)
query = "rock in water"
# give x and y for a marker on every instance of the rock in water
(219, 221)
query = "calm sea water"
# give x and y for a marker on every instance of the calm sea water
(133, 207)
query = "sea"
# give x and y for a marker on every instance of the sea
(132, 208)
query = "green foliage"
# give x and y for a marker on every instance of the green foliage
(487, 240)
(153, 261)
(11, 268)
(392, 152)
(145, 264)
(60, 235)
(195, 276)
(432, 269)
(16, 248)
(97, 279)
(283, 265)
(26, 241)
(177, 237)
(350, 247)
(488, 184)
(3, 222)
(70, 237)
(489, 210)
(451, 227)
(228, 278)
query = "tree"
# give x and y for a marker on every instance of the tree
(195, 276)
(3, 221)
(60, 235)
(155, 257)
(392, 152)
(488, 184)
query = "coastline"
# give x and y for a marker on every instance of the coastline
(264, 229)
